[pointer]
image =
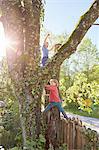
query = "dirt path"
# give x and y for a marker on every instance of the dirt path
(92, 123)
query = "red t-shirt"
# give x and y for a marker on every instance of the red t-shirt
(54, 95)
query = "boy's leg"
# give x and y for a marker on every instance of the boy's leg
(48, 107)
(62, 110)
(44, 59)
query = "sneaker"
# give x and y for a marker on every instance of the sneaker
(65, 116)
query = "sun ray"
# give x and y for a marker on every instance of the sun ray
(2, 41)
(5, 42)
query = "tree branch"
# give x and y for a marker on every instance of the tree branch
(86, 21)
(97, 24)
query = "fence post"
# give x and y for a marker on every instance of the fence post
(65, 130)
(74, 132)
(70, 134)
(83, 130)
(78, 136)
(52, 129)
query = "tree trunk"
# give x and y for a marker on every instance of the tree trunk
(22, 120)
(13, 26)
(22, 26)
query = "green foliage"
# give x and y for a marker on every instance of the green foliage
(94, 73)
(6, 87)
(42, 14)
(63, 147)
(37, 144)
(82, 92)
(11, 134)
(91, 138)
(7, 139)
(79, 77)
(86, 56)
(15, 148)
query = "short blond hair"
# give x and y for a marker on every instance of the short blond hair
(55, 81)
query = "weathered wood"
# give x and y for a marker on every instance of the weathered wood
(74, 132)
(70, 132)
(71, 135)
(83, 140)
(65, 131)
(78, 137)
(52, 130)
(62, 131)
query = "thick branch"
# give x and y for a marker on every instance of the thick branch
(97, 24)
(77, 35)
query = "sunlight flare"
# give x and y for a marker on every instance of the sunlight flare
(5, 42)
(2, 41)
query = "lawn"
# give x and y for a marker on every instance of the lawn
(73, 109)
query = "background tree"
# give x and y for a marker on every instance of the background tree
(82, 64)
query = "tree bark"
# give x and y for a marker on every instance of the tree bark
(32, 32)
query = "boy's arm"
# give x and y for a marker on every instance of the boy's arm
(46, 38)
(46, 94)
(52, 48)
(49, 87)
(55, 47)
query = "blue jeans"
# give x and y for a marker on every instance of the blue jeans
(44, 59)
(57, 104)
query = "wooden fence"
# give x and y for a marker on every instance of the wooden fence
(76, 136)
(71, 132)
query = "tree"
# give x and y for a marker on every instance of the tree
(83, 92)
(21, 20)
(89, 54)
(83, 59)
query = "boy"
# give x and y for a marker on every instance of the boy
(54, 99)
(45, 51)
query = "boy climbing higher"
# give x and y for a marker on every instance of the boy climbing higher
(45, 50)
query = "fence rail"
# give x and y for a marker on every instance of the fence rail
(70, 132)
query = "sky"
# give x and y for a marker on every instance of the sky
(63, 15)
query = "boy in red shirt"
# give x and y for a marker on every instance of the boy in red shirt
(54, 99)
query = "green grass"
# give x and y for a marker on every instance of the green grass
(73, 109)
